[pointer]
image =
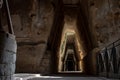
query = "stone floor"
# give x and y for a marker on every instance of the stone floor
(39, 77)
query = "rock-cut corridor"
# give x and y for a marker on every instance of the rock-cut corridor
(72, 39)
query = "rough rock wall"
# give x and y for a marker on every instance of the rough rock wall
(32, 21)
(104, 21)
(105, 15)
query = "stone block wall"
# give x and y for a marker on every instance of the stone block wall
(7, 56)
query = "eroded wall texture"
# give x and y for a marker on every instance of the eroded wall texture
(105, 16)
(32, 22)
(104, 22)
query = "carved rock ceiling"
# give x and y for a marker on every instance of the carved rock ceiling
(70, 1)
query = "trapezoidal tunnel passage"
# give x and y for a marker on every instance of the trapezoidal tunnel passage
(73, 37)
(70, 50)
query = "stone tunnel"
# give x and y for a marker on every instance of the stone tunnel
(60, 38)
